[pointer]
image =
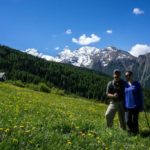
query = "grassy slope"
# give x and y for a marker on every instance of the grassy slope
(34, 120)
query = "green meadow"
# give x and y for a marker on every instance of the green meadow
(31, 120)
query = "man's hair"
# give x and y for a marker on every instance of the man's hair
(116, 71)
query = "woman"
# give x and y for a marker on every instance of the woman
(133, 102)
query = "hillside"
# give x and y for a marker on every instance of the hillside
(31, 69)
(34, 120)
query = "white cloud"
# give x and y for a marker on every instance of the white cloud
(57, 48)
(66, 46)
(138, 11)
(140, 49)
(109, 31)
(84, 40)
(68, 31)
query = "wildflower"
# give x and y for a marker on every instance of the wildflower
(27, 131)
(110, 133)
(7, 130)
(80, 132)
(21, 126)
(104, 145)
(69, 142)
(89, 134)
(77, 127)
(1, 129)
(83, 134)
(93, 132)
(15, 140)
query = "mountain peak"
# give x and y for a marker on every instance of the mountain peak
(111, 48)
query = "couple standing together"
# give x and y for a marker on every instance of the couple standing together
(126, 98)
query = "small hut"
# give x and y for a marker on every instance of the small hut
(2, 76)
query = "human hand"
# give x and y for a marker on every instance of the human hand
(115, 95)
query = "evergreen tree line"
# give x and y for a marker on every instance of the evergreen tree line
(30, 69)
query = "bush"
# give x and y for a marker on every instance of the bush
(18, 83)
(44, 88)
(34, 87)
(58, 91)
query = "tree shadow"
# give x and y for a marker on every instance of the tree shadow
(145, 133)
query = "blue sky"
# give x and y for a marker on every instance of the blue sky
(50, 25)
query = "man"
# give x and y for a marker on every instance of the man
(115, 92)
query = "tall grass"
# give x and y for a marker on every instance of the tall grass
(50, 121)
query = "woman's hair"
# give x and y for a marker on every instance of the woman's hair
(129, 73)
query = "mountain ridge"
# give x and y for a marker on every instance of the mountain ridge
(106, 60)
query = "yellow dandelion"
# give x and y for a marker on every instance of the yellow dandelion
(80, 132)
(110, 133)
(69, 142)
(15, 140)
(77, 127)
(93, 132)
(7, 130)
(83, 134)
(21, 126)
(89, 134)
(99, 141)
(1, 129)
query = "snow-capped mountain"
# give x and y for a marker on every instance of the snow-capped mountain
(85, 56)
(104, 60)
(80, 57)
